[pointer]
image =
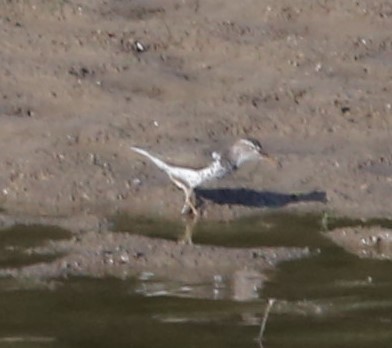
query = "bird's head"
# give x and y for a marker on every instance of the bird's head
(245, 150)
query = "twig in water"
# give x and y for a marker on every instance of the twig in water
(271, 302)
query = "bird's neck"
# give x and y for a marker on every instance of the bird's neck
(235, 157)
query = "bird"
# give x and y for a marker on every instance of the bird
(222, 164)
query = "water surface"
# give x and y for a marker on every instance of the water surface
(332, 299)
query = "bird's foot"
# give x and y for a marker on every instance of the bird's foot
(186, 209)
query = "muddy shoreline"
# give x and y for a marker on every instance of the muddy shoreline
(77, 249)
(310, 81)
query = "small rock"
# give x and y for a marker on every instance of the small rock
(124, 258)
(139, 47)
(136, 182)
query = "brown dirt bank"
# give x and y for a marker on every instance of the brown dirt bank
(123, 255)
(312, 81)
(365, 242)
(102, 253)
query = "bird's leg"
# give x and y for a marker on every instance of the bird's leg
(188, 205)
(188, 202)
(185, 208)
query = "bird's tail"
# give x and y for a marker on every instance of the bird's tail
(160, 164)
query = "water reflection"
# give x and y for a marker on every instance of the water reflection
(333, 299)
(247, 284)
(242, 285)
(97, 313)
(190, 223)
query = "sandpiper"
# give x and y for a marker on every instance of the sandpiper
(187, 179)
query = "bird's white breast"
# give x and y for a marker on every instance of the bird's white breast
(194, 178)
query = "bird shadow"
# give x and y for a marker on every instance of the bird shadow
(253, 198)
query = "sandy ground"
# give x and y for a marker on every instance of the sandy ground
(312, 81)
(81, 81)
(372, 243)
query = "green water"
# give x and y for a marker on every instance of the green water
(273, 229)
(17, 241)
(332, 299)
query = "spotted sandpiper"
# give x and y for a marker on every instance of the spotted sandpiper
(187, 179)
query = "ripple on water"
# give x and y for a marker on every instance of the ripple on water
(332, 299)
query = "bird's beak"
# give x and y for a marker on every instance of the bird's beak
(269, 158)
